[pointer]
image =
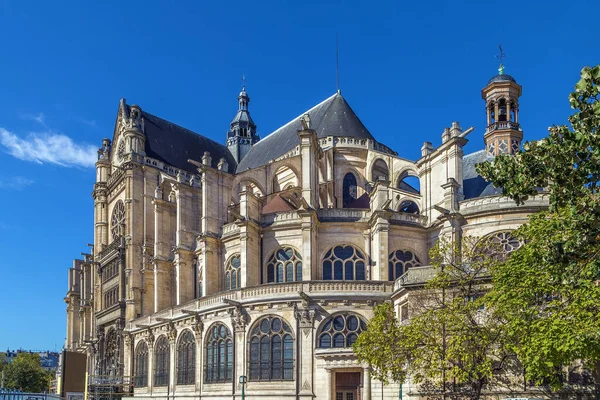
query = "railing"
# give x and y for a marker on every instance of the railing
(412, 218)
(342, 141)
(230, 229)
(343, 213)
(415, 275)
(502, 125)
(270, 292)
(10, 394)
(269, 219)
(500, 202)
(113, 246)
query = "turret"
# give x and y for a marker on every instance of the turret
(242, 131)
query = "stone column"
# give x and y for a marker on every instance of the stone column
(172, 349)
(250, 242)
(366, 384)
(128, 354)
(239, 321)
(162, 285)
(305, 317)
(309, 150)
(150, 343)
(328, 380)
(198, 328)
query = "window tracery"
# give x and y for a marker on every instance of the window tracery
(186, 359)
(271, 350)
(118, 220)
(161, 362)
(219, 355)
(233, 273)
(399, 262)
(344, 263)
(141, 365)
(285, 265)
(340, 331)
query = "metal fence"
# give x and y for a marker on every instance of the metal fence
(9, 394)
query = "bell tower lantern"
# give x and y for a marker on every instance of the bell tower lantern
(503, 134)
(242, 130)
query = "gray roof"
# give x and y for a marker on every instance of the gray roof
(473, 184)
(174, 145)
(502, 78)
(332, 117)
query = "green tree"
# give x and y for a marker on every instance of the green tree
(450, 335)
(26, 373)
(548, 292)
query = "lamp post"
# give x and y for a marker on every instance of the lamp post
(243, 380)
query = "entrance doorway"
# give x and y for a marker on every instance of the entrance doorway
(347, 386)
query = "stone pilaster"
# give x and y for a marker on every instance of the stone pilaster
(239, 321)
(198, 328)
(309, 151)
(305, 318)
(172, 335)
(250, 242)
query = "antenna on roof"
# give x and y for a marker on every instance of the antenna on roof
(337, 63)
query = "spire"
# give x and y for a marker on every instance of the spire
(242, 130)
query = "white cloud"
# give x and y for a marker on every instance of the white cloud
(49, 147)
(15, 183)
(40, 118)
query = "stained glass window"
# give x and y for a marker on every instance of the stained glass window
(399, 262)
(141, 365)
(117, 222)
(340, 331)
(350, 189)
(344, 263)
(161, 362)
(233, 273)
(219, 355)
(186, 359)
(271, 351)
(285, 265)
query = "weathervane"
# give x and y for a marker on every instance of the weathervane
(501, 56)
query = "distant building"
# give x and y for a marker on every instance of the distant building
(264, 258)
(48, 359)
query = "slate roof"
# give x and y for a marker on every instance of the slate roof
(473, 184)
(332, 117)
(174, 145)
(502, 78)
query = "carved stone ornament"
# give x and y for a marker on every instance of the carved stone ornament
(127, 339)
(239, 318)
(198, 326)
(172, 333)
(306, 385)
(305, 316)
(150, 338)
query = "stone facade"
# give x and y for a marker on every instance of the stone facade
(211, 262)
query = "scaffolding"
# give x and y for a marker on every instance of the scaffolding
(106, 387)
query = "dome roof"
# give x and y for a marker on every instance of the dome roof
(502, 78)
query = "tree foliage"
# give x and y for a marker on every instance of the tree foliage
(450, 336)
(26, 373)
(548, 292)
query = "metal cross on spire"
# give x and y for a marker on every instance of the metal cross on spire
(500, 57)
(243, 82)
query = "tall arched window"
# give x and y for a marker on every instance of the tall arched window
(233, 273)
(350, 189)
(271, 351)
(285, 265)
(219, 355)
(340, 331)
(186, 359)
(109, 363)
(141, 365)
(344, 263)
(399, 262)
(161, 362)
(117, 221)
(408, 206)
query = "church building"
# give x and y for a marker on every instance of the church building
(254, 264)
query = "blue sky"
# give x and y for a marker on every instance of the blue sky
(407, 68)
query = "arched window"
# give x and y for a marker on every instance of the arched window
(117, 221)
(141, 365)
(409, 183)
(344, 263)
(350, 189)
(502, 110)
(219, 355)
(499, 244)
(399, 262)
(340, 331)
(186, 359)
(161, 362)
(271, 351)
(379, 171)
(285, 265)
(408, 206)
(109, 363)
(233, 273)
